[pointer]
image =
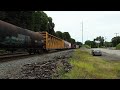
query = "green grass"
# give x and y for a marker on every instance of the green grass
(86, 66)
(118, 47)
(87, 46)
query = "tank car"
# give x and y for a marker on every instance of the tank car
(13, 37)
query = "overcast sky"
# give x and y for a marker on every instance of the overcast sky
(95, 23)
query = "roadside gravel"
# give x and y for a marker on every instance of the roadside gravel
(13, 69)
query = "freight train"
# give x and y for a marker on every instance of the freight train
(13, 37)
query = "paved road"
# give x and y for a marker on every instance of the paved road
(109, 54)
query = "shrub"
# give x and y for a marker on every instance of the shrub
(118, 47)
(102, 46)
(87, 46)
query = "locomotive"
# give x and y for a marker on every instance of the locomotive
(13, 38)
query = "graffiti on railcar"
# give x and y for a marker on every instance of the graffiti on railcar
(18, 41)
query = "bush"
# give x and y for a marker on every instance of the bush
(87, 46)
(102, 46)
(118, 47)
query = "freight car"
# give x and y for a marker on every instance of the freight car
(67, 45)
(73, 46)
(52, 42)
(77, 46)
(13, 37)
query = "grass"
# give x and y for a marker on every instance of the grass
(86, 66)
(118, 47)
(87, 46)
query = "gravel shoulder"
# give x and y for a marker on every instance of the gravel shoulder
(12, 69)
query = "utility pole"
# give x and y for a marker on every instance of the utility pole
(82, 31)
(105, 42)
(116, 34)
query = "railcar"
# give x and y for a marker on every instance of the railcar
(67, 45)
(52, 42)
(77, 46)
(13, 37)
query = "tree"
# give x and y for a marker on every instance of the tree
(19, 18)
(79, 43)
(101, 39)
(51, 26)
(108, 44)
(59, 34)
(72, 41)
(115, 41)
(39, 21)
(88, 42)
(91, 43)
(32, 20)
(66, 36)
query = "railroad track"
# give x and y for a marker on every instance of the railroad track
(5, 54)
(15, 56)
(5, 58)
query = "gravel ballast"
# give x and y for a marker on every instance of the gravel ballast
(38, 67)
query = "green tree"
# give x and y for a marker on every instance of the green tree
(51, 26)
(115, 40)
(66, 36)
(32, 20)
(72, 41)
(19, 18)
(92, 44)
(108, 44)
(101, 39)
(59, 34)
(39, 21)
(88, 42)
(79, 43)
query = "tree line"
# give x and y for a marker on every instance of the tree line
(113, 43)
(35, 21)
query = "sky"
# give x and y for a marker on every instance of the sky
(95, 23)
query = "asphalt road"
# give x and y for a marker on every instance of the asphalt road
(109, 54)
